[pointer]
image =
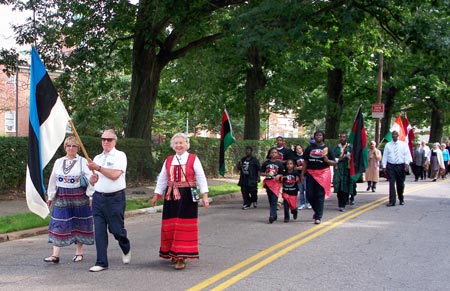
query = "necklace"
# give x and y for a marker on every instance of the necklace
(70, 164)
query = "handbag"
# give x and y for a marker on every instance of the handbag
(84, 182)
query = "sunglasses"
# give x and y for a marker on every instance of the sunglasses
(107, 139)
(71, 146)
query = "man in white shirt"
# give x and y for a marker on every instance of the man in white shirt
(396, 159)
(108, 205)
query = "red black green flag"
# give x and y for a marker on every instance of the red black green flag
(359, 154)
(226, 139)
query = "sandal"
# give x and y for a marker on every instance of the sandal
(77, 258)
(52, 259)
(180, 265)
(173, 260)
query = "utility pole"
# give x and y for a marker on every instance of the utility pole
(17, 100)
(379, 94)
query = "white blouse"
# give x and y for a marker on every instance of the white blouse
(70, 177)
(200, 176)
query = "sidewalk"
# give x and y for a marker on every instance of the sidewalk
(16, 204)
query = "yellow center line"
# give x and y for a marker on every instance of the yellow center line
(293, 242)
(289, 248)
(274, 248)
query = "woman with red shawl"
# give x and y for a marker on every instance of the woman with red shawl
(316, 167)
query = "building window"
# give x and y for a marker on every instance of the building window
(10, 121)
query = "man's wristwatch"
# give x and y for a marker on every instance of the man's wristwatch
(99, 168)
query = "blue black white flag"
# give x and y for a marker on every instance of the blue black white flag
(47, 130)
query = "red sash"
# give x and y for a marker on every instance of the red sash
(323, 177)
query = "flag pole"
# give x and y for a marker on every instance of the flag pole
(74, 130)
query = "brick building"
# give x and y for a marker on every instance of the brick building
(14, 102)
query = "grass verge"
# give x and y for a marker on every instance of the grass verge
(25, 221)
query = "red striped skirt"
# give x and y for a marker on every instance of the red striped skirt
(179, 229)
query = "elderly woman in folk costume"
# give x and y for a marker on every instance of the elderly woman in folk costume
(71, 214)
(179, 177)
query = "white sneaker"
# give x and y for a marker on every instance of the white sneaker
(126, 258)
(96, 269)
(308, 206)
(302, 206)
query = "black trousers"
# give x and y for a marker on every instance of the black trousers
(396, 178)
(249, 194)
(342, 199)
(315, 195)
(418, 172)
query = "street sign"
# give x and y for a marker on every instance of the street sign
(378, 110)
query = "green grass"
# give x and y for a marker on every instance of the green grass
(21, 221)
(223, 189)
(25, 221)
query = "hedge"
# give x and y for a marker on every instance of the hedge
(143, 167)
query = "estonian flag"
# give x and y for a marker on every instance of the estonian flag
(47, 129)
(226, 139)
(359, 154)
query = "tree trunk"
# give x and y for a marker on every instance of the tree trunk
(437, 123)
(144, 91)
(335, 102)
(389, 99)
(255, 82)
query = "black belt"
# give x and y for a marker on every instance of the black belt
(402, 164)
(109, 194)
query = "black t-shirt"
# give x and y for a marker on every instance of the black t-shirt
(284, 154)
(271, 169)
(290, 185)
(314, 155)
(298, 160)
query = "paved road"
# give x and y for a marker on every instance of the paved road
(369, 247)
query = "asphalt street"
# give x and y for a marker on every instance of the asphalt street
(368, 247)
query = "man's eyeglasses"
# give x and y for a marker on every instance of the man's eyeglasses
(107, 139)
(71, 146)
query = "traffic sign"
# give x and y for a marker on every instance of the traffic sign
(378, 110)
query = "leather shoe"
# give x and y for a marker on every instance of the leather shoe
(402, 202)
(390, 204)
(96, 269)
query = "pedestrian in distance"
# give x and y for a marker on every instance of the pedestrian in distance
(436, 162)
(419, 161)
(298, 158)
(317, 172)
(249, 178)
(290, 180)
(446, 158)
(109, 201)
(70, 203)
(426, 166)
(343, 185)
(284, 153)
(272, 169)
(180, 176)
(373, 166)
(396, 159)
